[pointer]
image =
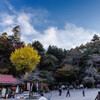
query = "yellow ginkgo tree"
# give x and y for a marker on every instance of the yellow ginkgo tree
(25, 59)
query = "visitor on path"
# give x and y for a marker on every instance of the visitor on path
(83, 92)
(98, 96)
(68, 92)
(42, 97)
(60, 91)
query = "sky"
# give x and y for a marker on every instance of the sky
(63, 23)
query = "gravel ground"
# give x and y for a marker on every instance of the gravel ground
(90, 94)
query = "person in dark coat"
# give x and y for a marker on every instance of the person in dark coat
(83, 92)
(68, 92)
(60, 91)
(98, 96)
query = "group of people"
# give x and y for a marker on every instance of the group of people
(83, 92)
(68, 92)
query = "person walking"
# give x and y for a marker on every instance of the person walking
(83, 92)
(98, 96)
(60, 91)
(68, 92)
(42, 97)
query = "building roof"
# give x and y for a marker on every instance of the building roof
(9, 79)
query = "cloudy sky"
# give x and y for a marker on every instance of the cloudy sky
(64, 23)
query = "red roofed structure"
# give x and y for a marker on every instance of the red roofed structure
(9, 80)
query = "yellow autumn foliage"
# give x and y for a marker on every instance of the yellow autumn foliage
(25, 59)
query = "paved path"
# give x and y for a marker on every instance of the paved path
(75, 95)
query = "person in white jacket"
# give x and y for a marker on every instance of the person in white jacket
(42, 97)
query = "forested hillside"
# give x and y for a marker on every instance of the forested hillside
(54, 65)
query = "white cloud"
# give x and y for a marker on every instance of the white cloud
(7, 19)
(67, 38)
(8, 30)
(21, 19)
(24, 21)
